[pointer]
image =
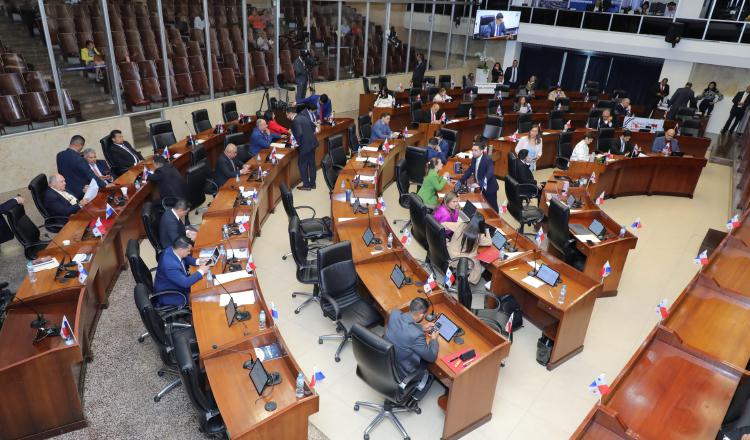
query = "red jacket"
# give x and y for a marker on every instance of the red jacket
(277, 128)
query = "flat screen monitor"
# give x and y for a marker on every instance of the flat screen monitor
(368, 236)
(397, 276)
(571, 201)
(230, 310)
(499, 240)
(596, 227)
(447, 329)
(259, 376)
(469, 209)
(494, 24)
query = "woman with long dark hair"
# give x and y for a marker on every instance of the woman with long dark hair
(496, 72)
(710, 96)
(467, 237)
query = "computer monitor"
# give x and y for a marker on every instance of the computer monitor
(259, 376)
(230, 310)
(469, 209)
(368, 236)
(499, 240)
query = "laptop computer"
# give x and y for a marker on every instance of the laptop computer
(467, 211)
(446, 328)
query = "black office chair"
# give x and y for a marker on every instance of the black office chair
(106, 143)
(437, 248)
(229, 111)
(377, 366)
(525, 126)
(354, 143)
(522, 91)
(336, 141)
(201, 121)
(492, 106)
(313, 229)
(451, 137)
(463, 110)
(606, 145)
(503, 89)
(430, 80)
(444, 81)
(519, 205)
(556, 124)
(366, 85)
(417, 215)
(193, 379)
(684, 113)
(524, 118)
(564, 150)
(604, 135)
(199, 183)
(431, 92)
(492, 127)
(38, 186)
(151, 217)
(593, 119)
(306, 263)
(690, 127)
(162, 135)
(160, 328)
(402, 185)
(606, 104)
(365, 128)
(339, 300)
(562, 104)
(418, 115)
(470, 94)
(25, 231)
(197, 154)
(330, 172)
(338, 156)
(560, 237)
(556, 114)
(619, 94)
(485, 305)
(416, 160)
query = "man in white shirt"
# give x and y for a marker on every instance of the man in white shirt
(59, 202)
(740, 103)
(581, 151)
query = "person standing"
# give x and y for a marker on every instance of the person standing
(683, 97)
(74, 167)
(483, 171)
(511, 75)
(710, 96)
(303, 129)
(739, 105)
(300, 77)
(419, 70)
(660, 92)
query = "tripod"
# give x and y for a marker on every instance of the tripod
(265, 98)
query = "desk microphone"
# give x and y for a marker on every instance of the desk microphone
(513, 248)
(241, 315)
(71, 263)
(191, 139)
(375, 240)
(40, 321)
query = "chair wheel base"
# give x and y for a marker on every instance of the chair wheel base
(337, 359)
(320, 341)
(141, 339)
(294, 295)
(157, 399)
(367, 437)
(160, 373)
(284, 258)
(296, 312)
(356, 407)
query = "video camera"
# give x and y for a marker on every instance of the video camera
(309, 60)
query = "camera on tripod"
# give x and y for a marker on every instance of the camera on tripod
(309, 60)
(277, 104)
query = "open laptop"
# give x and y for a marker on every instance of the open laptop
(467, 211)
(595, 228)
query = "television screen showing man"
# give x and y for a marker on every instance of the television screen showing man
(490, 24)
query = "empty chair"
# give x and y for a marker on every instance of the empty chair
(201, 121)
(493, 105)
(200, 82)
(195, 64)
(445, 81)
(330, 173)
(147, 69)
(229, 111)
(560, 236)
(416, 160)
(151, 218)
(307, 268)
(72, 109)
(312, 228)
(690, 127)
(134, 96)
(36, 106)
(564, 151)
(492, 127)
(35, 82)
(562, 104)
(12, 84)
(198, 180)
(451, 137)
(129, 71)
(602, 104)
(152, 90)
(25, 232)
(13, 114)
(417, 215)
(518, 204)
(162, 135)
(185, 85)
(464, 110)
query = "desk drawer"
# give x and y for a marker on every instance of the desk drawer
(548, 309)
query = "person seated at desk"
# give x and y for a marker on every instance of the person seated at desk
(581, 150)
(448, 211)
(533, 144)
(432, 183)
(228, 166)
(261, 138)
(58, 201)
(172, 224)
(171, 273)
(73, 166)
(532, 85)
(465, 242)
(556, 93)
(99, 167)
(522, 105)
(169, 180)
(381, 130)
(323, 105)
(442, 96)
(123, 154)
(435, 149)
(624, 146)
(523, 171)
(435, 116)
(482, 169)
(624, 108)
(666, 144)
(385, 100)
(496, 28)
(605, 120)
(406, 331)
(274, 126)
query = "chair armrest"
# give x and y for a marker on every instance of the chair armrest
(171, 292)
(408, 379)
(338, 167)
(177, 313)
(307, 207)
(330, 300)
(212, 183)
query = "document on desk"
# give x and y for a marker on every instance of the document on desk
(240, 298)
(224, 278)
(368, 201)
(365, 178)
(587, 237)
(345, 219)
(533, 282)
(200, 141)
(513, 254)
(366, 159)
(279, 156)
(92, 190)
(51, 264)
(237, 253)
(372, 149)
(278, 145)
(176, 155)
(464, 155)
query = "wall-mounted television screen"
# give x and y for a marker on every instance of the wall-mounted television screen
(496, 25)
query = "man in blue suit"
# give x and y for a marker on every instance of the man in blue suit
(381, 130)
(496, 28)
(99, 167)
(322, 103)
(73, 166)
(303, 129)
(261, 138)
(666, 142)
(172, 224)
(483, 171)
(58, 201)
(171, 274)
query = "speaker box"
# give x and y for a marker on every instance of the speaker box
(674, 32)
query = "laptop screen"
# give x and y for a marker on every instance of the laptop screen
(546, 274)
(446, 328)
(215, 255)
(596, 227)
(397, 276)
(571, 201)
(469, 209)
(499, 240)
(259, 376)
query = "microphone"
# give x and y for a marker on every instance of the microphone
(375, 240)
(69, 264)
(191, 139)
(40, 321)
(430, 316)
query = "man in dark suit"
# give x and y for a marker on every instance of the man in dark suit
(739, 104)
(483, 171)
(262, 138)
(303, 130)
(435, 115)
(5, 233)
(227, 166)
(172, 224)
(682, 97)
(624, 108)
(77, 172)
(121, 152)
(406, 331)
(511, 75)
(99, 167)
(300, 76)
(417, 77)
(172, 275)
(58, 201)
(170, 182)
(623, 146)
(496, 28)
(660, 92)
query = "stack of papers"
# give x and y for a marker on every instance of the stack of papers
(242, 219)
(586, 237)
(278, 145)
(365, 202)
(51, 264)
(533, 282)
(240, 298)
(344, 219)
(366, 178)
(237, 253)
(200, 141)
(224, 278)
(278, 156)
(373, 149)
(464, 155)
(367, 159)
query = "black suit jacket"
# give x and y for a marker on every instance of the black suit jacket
(170, 229)
(103, 167)
(124, 156)
(76, 171)
(737, 98)
(170, 181)
(417, 77)
(426, 116)
(5, 232)
(226, 169)
(509, 73)
(664, 93)
(617, 147)
(486, 172)
(57, 205)
(303, 130)
(620, 110)
(523, 173)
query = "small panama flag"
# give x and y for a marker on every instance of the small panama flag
(442, 118)
(606, 270)
(504, 207)
(430, 284)
(273, 152)
(405, 236)
(569, 125)
(250, 265)
(82, 274)
(733, 222)
(244, 227)
(380, 159)
(662, 310)
(274, 311)
(406, 131)
(317, 376)
(66, 332)
(109, 211)
(600, 199)
(293, 141)
(702, 258)
(592, 179)
(509, 326)
(165, 154)
(514, 136)
(381, 204)
(636, 224)
(97, 229)
(449, 278)
(386, 146)
(599, 386)
(539, 237)
(145, 174)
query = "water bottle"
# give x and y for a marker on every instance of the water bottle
(343, 186)
(349, 196)
(237, 177)
(30, 271)
(390, 240)
(300, 388)
(262, 320)
(225, 232)
(502, 254)
(209, 278)
(563, 291)
(222, 251)
(359, 152)
(622, 231)
(138, 185)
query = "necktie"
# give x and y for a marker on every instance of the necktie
(95, 169)
(182, 264)
(135, 158)
(513, 76)
(497, 30)
(69, 197)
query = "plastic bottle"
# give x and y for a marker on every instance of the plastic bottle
(563, 292)
(300, 386)
(209, 278)
(622, 231)
(237, 177)
(262, 320)
(390, 240)
(138, 185)
(30, 271)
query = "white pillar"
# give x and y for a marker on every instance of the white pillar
(678, 73)
(512, 52)
(689, 8)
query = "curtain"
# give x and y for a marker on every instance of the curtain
(636, 75)
(544, 62)
(573, 74)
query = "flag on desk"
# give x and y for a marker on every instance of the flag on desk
(539, 237)
(145, 174)
(449, 278)
(66, 331)
(592, 179)
(405, 237)
(292, 140)
(250, 265)
(82, 274)
(244, 226)
(109, 211)
(677, 129)
(702, 258)
(569, 125)
(600, 199)
(381, 204)
(662, 310)
(504, 207)
(733, 222)
(514, 136)
(165, 154)
(443, 118)
(98, 229)
(274, 311)
(599, 386)
(636, 224)
(406, 132)
(386, 146)
(273, 152)
(509, 326)
(430, 284)
(606, 270)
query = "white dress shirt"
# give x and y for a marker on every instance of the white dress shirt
(580, 152)
(742, 101)
(67, 196)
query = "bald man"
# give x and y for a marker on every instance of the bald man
(58, 201)
(261, 138)
(666, 143)
(227, 166)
